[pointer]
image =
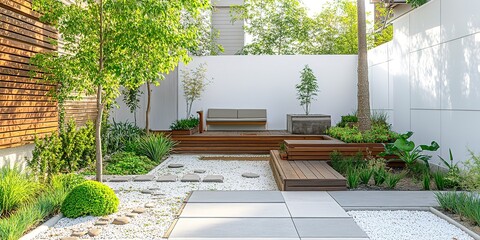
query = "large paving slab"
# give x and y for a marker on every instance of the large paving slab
(384, 199)
(311, 196)
(335, 239)
(316, 210)
(224, 228)
(250, 239)
(235, 210)
(328, 228)
(236, 197)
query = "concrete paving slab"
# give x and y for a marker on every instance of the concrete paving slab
(328, 228)
(190, 178)
(224, 228)
(235, 210)
(167, 178)
(385, 198)
(312, 196)
(335, 239)
(236, 197)
(213, 179)
(120, 179)
(143, 178)
(280, 238)
(316, 210)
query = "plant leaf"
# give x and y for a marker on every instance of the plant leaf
(404, 145)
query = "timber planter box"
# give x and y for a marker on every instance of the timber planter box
(312, 124)
(185, 132)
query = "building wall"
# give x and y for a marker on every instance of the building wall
(231, 34)
(269, 82)
(428, 77)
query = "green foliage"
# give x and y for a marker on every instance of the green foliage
(466, 204)
(307, 88)
(343, 164)
(379, 118)
(383, 33)
(453, 177)
(16, 189)
(347, 119)
(194, 83)
(408, 152)
(379, 175)
(131, 97)
(90, 198)
(118, 135)
(416, 3)
(426, 181)
(353, 179)
(185, 124)
(378, 134)
(392, 179)
(283, 147)
(127, 163)
(155, 147)
(471, 178)
(365, 175)
(440, 180)
(66, 182)
(69, 150)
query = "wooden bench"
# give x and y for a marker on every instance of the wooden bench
(237, 117)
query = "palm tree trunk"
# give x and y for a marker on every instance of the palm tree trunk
(363, 94)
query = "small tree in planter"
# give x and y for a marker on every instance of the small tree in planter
(194, 83)
(307, 88)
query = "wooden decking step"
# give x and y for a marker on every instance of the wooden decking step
(305, 175)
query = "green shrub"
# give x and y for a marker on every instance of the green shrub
(426, 181)
(365, 175)
(67, 182)
(453, 177)
(351, 118)
(117, 135)
(126, 163)
(344, 163)
(155, 147)
(379, 118)
(353, 179)
(440, 180)
(379, 176)
(471, 178)
(185, 124)
(16, 189)
(351, 134)
(391, 180)
(466, 204)
(67, 151)
(90, 198)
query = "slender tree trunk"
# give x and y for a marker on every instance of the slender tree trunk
(363, 94)
(147, 113)
(98, 125)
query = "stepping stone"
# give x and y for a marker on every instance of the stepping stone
(131, 215)
(78, 233)
(158, 194)
(199, 171)
(154, 189)
(121, 179)
(105, 178)
(250, 175)
(138, 210)
(94, 232)
(121, 220)
(167, 178)
(149, 205)
(146, 191)
(213, 178)
(175, 165)
(101, 223)
(144, 178)
(106, 219)
(69, 238)
(191, 178)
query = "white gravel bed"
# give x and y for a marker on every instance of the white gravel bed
(154, 222)
(406, 225)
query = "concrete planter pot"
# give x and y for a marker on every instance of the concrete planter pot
(313, 124)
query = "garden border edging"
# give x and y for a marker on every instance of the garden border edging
(42, 228)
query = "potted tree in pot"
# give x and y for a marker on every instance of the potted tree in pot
(307, 123)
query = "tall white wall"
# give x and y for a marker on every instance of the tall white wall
(269, 82)
(16, 156)
(428, 77)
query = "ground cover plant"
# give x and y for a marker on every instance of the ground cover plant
(185, 124)
(117, 136)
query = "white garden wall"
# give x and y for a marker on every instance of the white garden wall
(428, 77)
(269, 82)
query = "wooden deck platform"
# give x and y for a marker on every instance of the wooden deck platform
(305, 175)
(321, 149)
(226, 142)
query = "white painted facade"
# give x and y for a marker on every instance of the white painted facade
(16, 156)
(428, 77)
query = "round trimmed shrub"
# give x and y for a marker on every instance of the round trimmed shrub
(90, 198)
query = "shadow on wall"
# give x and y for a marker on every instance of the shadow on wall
(16, 156)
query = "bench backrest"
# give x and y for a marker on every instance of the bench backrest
(252, 113)
(236, 113)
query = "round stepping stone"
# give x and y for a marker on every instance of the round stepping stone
(78, 233)
(199, 171)
(250, 175)
(106, 219)
(131, 215)
(121, 220)
(69, 238)
(149, 205)
(94, 232)
(138, 210)
(175, 165)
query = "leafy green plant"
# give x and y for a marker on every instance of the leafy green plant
(379, 118)
(440, 180)
(131, 97)
(351, 118)
(426, 181)
(471, 176)
(16, 189)
(353, 179)
(351, 134)
(90, 198)
(119, 134)
(365, 175)
(283, 147)
(194, 83)
(307, 88)
(127, 163)
(416, 3)
(453, 177)
(155, 147)
(392, 179)
(408, 152)
(343, 164)
(379, 176)
(185, 124)
(466, 204)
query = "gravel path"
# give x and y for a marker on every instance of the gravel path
(406, 225)
(155, 221)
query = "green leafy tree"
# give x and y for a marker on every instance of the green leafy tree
(194, 83)
(416, 3)
(278, 27)
(307, 88)
(131, 97)
(383, 31)
(113, 43)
